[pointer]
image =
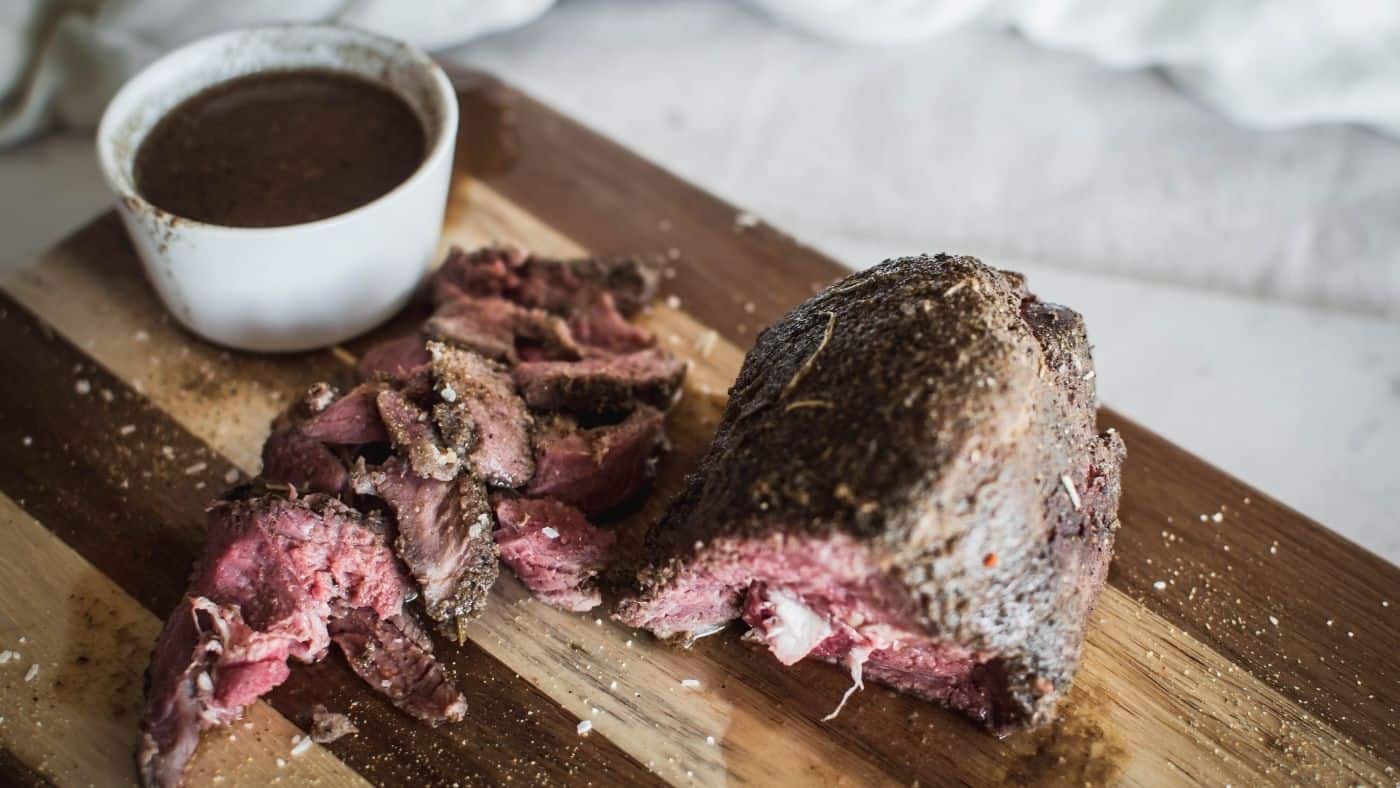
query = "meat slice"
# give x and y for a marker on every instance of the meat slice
(559, 286)
(907, 481)
(600, 387)
(350, 420)
(445, 538)
(493, 327)
(598, 324)
(275, 571)
(598, 469)
(553, 549)
(395, 656)
(416, 437)
(475, 391)
(393, 358)
(291, 457)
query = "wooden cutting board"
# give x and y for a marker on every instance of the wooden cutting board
(1238, 642)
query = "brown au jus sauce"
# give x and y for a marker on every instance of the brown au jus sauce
(279, 148)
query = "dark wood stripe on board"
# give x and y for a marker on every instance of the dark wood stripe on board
(130, 500)
(1223, 581)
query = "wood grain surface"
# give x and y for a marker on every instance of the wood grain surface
(1237, 643)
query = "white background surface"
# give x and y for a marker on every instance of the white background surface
(1234, 281)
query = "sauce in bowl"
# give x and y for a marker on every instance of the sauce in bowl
(279, 148)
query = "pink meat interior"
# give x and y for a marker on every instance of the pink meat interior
(822, 600)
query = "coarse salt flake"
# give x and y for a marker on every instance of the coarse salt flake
(7, 655)
(231, 476)
(301, 746)
(126, 429)
(584, 727)
(1069, 488)
(1160, 585)
(550, 532)
(1273, 620)
(197, 467)
(32, 673)
(690, 683)
(83, 387)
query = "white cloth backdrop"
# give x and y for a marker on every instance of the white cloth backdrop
(1264, 62)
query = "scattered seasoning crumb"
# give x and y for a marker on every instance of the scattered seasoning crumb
(989, 560)
(232, 476)
(83, 387)
(301, 746)
(584, 727)
(549, 532)
(27, 441)
(597, 622)
(142, 336)
(33, 672)
(126, 429)
(710, 740)
(673, 301)
(749, 307)
(628, 644)
(1329, 622)
(706, 342)
(198, 467)
(673, 253)
(281, 763)
(1160, 585)
(1069, 488)
(690, 683)
(1217, 517)
(1273, 620)
(612, 685)
(167, 452)
(107, 395)
(1204, 518)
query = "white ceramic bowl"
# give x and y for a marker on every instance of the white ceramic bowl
(300, 286)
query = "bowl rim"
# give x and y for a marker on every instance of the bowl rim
(113, 161)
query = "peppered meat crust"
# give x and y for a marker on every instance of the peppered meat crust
(935, 411)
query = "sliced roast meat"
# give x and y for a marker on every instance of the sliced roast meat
(350, 420)
(598, 469)
(553, 549)
(203, 640)
(488, 271)
(908, 481)
(395, 656)
(494, 327)
(445, 538)
(416, 437)
(598, 387)
(559, 286)
(275, 569)
(291, 457)
(393, 358)
(478, 392)
(598, 324)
